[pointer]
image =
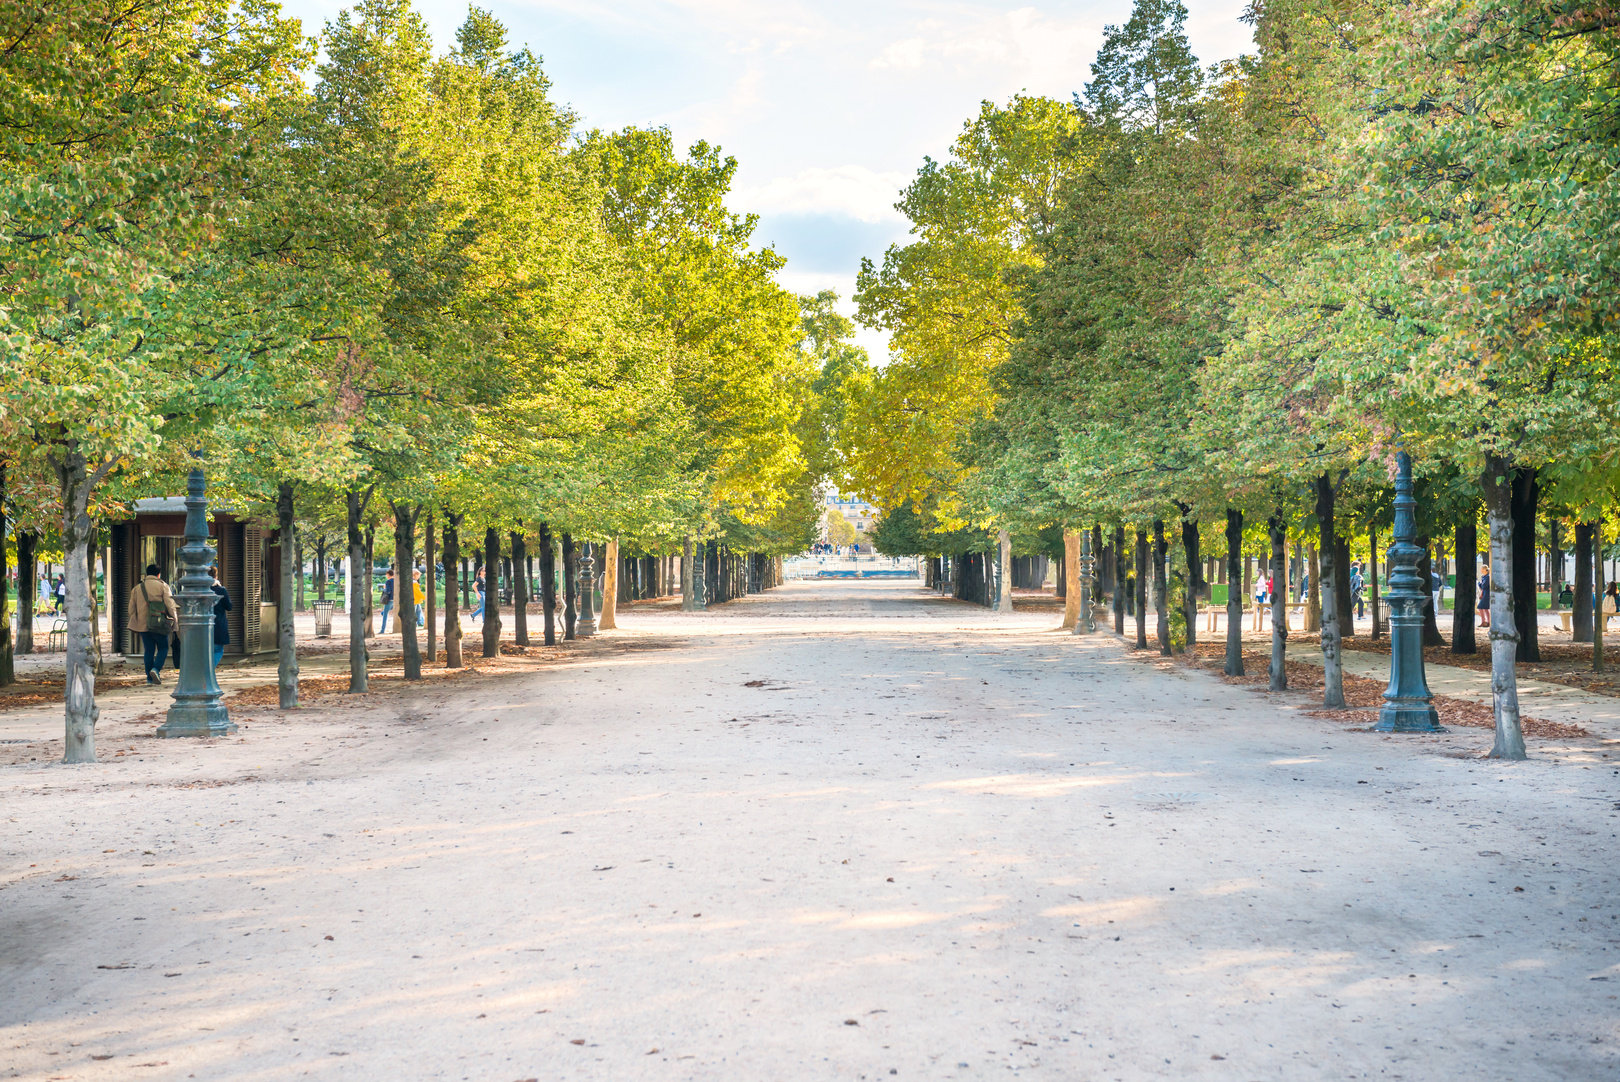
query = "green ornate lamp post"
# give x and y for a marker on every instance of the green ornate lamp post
(199, 707)
(1408, 705)
(585, 623)
(1088, 567)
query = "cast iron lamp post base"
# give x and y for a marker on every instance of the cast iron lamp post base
(199, 706)
(1408, 705)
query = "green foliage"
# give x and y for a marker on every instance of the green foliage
(948, 301)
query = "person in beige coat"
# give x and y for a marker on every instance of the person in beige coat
(144, 602)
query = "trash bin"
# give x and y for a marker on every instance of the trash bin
(323, 619)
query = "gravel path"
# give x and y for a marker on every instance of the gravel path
(840, 831)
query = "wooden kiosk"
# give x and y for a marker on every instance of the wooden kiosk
(249, 560)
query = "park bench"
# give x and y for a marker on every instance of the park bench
(1566, 620)
(1212, 613)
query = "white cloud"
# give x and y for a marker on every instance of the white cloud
(719, 119)
(1036, 47)
(743, 25)
(853, 191)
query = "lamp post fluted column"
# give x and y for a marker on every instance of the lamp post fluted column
(1408, 705)
(1088, 565)
(199, 706)
(585, 623)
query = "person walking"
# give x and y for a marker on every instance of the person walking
(1260, 598)
(387, 601)
(1483, 588)
(1358, 587)
(59, 594)
(153, 613)
(222, 625)
(418, 595)
(478, 584)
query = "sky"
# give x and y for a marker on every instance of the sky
(829, 106)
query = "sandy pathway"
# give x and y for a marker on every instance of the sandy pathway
(839, 831)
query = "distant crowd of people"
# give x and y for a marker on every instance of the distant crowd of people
(50, 595)
(1265, 589)
(827, 548)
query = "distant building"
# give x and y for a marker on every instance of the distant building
(858, 513)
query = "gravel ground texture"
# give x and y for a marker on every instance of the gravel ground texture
(842, 830)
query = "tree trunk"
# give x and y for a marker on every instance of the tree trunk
(1161, 589)
(520, 591)
(1347, 603)
(1555, 562)
(430, 582)
(95, 614)
(1139, 591)
(1278, 527)
(1004, 600)
(606, 619)
(452, 611)
(1071, 580)
(1326, 574)
(1581, 610)
(1101, 569)
(1599, 617)
(320, 567)
(286, 635)
(405, 584)
(1463, 599)
(79, 691)
(689, 593)
(1526, 498)
(1431, 614)
(359, 590)
(27, 588)
(1121, 576)
(548, 582)
(492, 592)
(369, 569)
(1372, 582)
(1497, 481)
(1234, 599)
(713, 587)
(8, 671)
(1313, 596)
(1190, 546)
(570, 562)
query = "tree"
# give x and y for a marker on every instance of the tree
(1490, 175)
(949, 303)
(129, 151)
(839, 530)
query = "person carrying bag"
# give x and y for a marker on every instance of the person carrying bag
(153, 613)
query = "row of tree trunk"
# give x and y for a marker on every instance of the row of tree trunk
(712, 574)
(643, 578)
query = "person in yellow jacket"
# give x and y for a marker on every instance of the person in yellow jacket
(153, 613)
(418, 595)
